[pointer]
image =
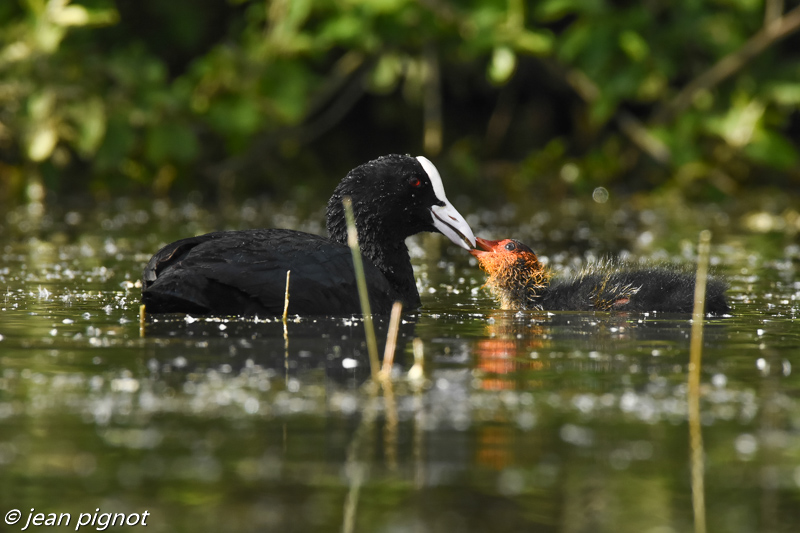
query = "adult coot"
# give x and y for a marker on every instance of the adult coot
(519, 281)
(244, 272)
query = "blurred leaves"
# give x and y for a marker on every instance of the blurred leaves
(159, 94)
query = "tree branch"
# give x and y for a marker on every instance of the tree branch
(772, 32)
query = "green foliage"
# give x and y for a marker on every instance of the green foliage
(133, 91)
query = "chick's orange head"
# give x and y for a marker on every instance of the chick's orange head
(498, 257)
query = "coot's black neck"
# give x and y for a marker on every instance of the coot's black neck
(384, 245)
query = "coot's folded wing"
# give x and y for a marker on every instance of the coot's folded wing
(244, 272)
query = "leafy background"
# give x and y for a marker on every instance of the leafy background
(539, 98)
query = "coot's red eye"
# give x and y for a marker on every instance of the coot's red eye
(511, 246)
(414, 182)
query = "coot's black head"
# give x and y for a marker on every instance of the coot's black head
(393, 197)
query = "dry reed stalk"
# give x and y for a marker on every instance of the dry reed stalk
(361, 280)
(695, 359)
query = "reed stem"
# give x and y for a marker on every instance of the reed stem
(142, 319)
(695, 359)
(286, 298)
(391, 341)
(361, 280)
(286, 329)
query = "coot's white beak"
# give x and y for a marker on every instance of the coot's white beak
(445, 217)
(452, 224)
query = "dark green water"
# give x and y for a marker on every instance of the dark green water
(568, 422)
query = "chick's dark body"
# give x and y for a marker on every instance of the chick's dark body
(610, 287)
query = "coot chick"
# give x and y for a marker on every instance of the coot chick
(519, 281)
(244, 272)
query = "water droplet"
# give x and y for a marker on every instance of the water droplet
(600, 195)
(579, 436)
(746, 445)
(251, 406)
(510, 482)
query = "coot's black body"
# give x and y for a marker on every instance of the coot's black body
(519, 281)
(244, 272)
(217, 273)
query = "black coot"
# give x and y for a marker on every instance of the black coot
(519, 281)
(244, 272)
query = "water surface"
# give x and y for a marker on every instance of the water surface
(529, 421)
